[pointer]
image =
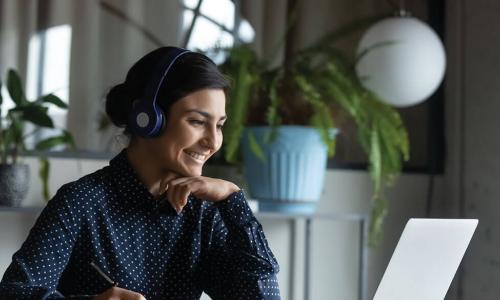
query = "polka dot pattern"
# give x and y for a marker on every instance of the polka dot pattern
(109, 217)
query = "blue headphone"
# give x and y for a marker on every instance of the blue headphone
(147, 118)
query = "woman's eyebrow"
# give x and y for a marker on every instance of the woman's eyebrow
(205, 114)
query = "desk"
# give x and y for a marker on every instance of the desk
(361, 219)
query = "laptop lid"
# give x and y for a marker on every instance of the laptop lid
(426, 259)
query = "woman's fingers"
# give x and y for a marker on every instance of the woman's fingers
(177, 198)
(163, 186)
(180, 180)
(209, 189)
(178, 193)
(184, 195)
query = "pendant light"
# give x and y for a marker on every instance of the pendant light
(403, 60)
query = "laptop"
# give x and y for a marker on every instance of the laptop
(426, 259)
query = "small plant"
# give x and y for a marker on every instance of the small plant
(312, 87)
(13, 127)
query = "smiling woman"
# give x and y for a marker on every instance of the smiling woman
(150, 222)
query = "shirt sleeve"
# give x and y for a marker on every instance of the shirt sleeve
(240, 264)
(37, 266)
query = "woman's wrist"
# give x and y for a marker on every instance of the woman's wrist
(231, 189)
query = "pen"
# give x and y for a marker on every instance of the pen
(106, 277)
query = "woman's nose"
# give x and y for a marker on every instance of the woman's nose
(210, 139)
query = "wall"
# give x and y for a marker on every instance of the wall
(334, 244)
(473, 171)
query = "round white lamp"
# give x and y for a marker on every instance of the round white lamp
(405, 61)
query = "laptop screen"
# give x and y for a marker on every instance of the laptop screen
(426, 259)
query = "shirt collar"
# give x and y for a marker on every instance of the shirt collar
(127, 181)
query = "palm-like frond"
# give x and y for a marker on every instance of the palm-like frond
(241, 63)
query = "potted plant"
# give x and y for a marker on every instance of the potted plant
(14, 175)
(306, 92)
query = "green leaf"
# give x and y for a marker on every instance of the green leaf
(1, 123)
(273, 118)
(364, 52)
(375, 158)
(43, 173)
(1, 97)
(321, 119)
(240, 62)
(51, 142)
(15, 88)
(51, 98)
(378, 214)
(35, 114)
(14, 133)
(69, 139)
(255, 147)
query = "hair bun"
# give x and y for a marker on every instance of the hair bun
(119, 104)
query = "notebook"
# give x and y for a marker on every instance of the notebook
(426, 259)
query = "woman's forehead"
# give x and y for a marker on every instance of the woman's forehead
(212, 101)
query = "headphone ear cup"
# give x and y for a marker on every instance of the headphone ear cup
(163, 121)
(146, 121)
(160, 122)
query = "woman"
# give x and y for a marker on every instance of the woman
(150, 221)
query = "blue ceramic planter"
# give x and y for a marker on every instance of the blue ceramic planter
(291, 177)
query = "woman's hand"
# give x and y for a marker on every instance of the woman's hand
(116, 293)
(206, 188)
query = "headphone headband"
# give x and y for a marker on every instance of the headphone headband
(161, 73)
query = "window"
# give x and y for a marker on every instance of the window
(48, 64)
(48, 71)
(214, 23)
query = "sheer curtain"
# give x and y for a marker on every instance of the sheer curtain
(103, 47)
(18, 21)
(103, 50)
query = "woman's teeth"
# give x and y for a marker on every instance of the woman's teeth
(196, 156)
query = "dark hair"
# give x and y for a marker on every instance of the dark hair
(190, 73)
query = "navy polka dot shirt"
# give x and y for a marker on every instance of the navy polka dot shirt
(109, 217)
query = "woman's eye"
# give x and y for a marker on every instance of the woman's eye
(196, 122)
(219, 126)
